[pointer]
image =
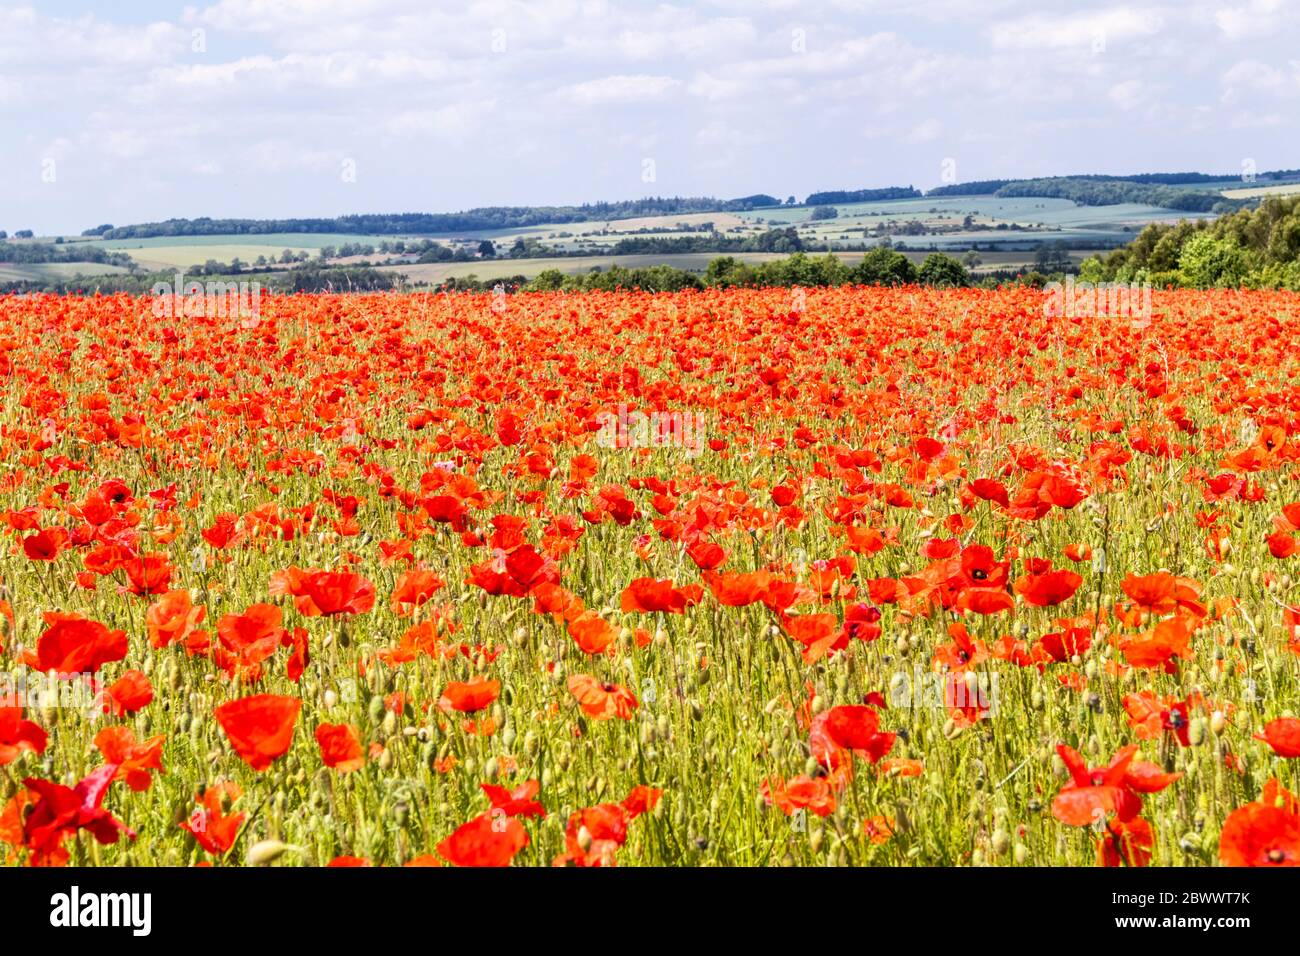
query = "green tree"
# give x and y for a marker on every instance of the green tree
(943, 271)
(883, 266)
(548, 280)
(1206, 262)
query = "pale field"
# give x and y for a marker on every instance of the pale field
(1252, 192)
(38, 271)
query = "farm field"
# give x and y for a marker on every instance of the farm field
(891, 577)
(488, 269)
(1042, 221)
(35, 271)
(180, 252)
(1252, 192)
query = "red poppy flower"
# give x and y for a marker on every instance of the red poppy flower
(592, 632)
(260, 728)
(18, 735)
(1260, 834)
(606, 828)
(1156, 592)
(213, 828)
(73, 644)
(602, 700)
(1283, 735)
(59, 812)
(1093, 795)
(1126, 842)
(469, 697)
(340, 747)
(1048, 589)
(800, 793)
(413, 589)
(330, 593)
(135, 761)
(171, 618)
(737, 590)
(129, 693)
(45, 545)
(490, 839)
(518, 802)
(148, 574)
(647, 595)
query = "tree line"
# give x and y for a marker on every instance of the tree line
(1257, 248)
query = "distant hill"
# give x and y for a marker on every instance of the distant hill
(1166, 190)
(423, 223)
(839, 197)
(1187, 191)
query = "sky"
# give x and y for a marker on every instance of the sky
(120, 112)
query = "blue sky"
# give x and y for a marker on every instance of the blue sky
(125, 112)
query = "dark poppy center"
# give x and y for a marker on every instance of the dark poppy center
(607, 688)
(979, 574)
(1276, 856)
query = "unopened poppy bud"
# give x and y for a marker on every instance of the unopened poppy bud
(1196, 731)
(330, 699)
(584, 839)
(268, 851)
(1001, 842)
(492, 769)
(1021, 854)
(1218, 722)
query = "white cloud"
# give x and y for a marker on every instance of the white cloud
(924, 132)
(1254, 19)
(258, 121)
(1127, 95)
(620, 88)
(1084, 31)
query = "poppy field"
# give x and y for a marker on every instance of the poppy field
(743, 577)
